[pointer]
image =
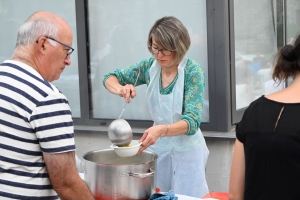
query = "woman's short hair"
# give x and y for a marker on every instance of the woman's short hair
(287, 61)
(172, 35)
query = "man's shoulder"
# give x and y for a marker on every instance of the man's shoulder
(53, 94)
(28, 82)
(54, 90)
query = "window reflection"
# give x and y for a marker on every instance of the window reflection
(12, 15)
(118, 32)
(255, 48)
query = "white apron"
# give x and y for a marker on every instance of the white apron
(181, 159)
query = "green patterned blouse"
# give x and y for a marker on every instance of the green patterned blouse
(194, 82)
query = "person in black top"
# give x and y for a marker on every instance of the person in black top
(266, 161)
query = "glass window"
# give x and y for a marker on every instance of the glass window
(12, 15)
(293, 20)
(255, 29)
(292, 24)
(118, 32)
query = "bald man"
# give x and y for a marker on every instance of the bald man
(37, 147)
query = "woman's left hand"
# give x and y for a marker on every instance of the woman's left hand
(151, 135)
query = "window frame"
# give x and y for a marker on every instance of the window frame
(221, 68)
(219, 72)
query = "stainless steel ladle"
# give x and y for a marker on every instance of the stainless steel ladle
(119, 130)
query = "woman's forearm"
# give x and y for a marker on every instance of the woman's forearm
(113, 85)
(237, 175)
(178, 128)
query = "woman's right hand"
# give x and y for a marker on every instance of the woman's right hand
(127, 91)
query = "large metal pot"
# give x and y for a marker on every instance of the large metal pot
(111, 177)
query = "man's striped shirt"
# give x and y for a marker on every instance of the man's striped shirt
(35, 117)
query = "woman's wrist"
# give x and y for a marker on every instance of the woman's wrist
(166, 132)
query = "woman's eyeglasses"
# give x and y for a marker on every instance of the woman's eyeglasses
(165, 52)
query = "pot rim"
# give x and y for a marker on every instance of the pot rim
(112, 164)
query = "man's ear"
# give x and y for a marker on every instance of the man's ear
(41, 43)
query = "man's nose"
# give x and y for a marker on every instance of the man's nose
(68, 60)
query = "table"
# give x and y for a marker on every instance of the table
(184, 197)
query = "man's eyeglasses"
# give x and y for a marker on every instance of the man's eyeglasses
(165, 52)
(70, 48)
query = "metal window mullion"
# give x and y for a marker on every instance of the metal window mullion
(82, 60)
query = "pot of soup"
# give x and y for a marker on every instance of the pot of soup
(111, 177)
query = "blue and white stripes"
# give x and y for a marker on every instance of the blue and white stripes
(34, 118)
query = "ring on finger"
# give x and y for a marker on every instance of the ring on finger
(127, 89)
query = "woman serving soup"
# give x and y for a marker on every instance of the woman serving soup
(174, 100)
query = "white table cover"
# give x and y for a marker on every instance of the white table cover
(184, 197)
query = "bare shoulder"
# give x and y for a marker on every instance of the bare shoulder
(285, 96)
(276, 96)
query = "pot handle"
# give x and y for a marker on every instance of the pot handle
(138, 175)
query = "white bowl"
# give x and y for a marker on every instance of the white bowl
(127, 151)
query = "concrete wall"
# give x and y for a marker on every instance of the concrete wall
(217, 168)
